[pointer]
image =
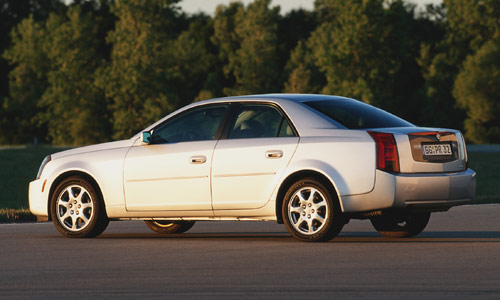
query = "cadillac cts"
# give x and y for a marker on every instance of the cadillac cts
(312, 162)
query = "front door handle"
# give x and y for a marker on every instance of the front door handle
(199, 159)
(274, 154)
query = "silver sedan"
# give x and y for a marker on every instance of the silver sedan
(312, 162)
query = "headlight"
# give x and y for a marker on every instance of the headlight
(44, 162)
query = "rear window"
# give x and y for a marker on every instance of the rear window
(354, 114)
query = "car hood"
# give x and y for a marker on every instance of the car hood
(93, 148)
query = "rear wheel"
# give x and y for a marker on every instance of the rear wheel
(77, 209)
(401, 225)
(169, 227)
(310, 213)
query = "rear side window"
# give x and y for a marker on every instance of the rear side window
(354, 114)
(260, 121)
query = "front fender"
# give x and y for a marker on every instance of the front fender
(105, 167)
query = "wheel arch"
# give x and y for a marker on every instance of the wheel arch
(290, 179)
(67, 174)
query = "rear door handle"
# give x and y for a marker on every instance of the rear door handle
(274, 154)
(198, 159)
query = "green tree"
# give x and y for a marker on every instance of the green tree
(136, 80)
(477, 90)
(51, 92)
(247, 41)
(226, 41)
(191, 64)
(304, 75)
(294, 28)
(73, 107)
(477, 85)
(468, 25)
(360, 46)
(27, 81)
(12, 12)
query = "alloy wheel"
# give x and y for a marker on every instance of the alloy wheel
(308, 210)
(75, 208)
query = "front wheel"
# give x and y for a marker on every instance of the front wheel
(310, 213)
(169, 227)
(77, 209)
(401, 225)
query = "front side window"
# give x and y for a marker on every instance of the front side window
(259, 121)
(194, 125)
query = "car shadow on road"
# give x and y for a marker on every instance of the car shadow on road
(424, 237)
(344, 237)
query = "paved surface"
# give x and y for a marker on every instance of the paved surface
(458, 256)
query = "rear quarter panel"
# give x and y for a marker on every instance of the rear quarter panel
(346, 157)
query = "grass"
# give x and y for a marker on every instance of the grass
(16, 215)
(19, 165)
(487, 167)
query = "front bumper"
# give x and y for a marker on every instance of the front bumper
(38, 199)
(424, 192)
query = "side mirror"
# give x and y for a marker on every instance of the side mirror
(146, 137)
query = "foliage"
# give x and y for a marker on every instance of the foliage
(304, 74)
(87, 71)
(12, 12)
(468, 25)
(251, 47)
(477, 88)
(293, 28)
(225, 40)
(28, 81)
(192, 62)
(74, 109)
(135, 79)
(360, 46)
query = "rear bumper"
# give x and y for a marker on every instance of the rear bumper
(435, 192)
(423, 192)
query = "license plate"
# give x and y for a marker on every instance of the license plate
(436, 149)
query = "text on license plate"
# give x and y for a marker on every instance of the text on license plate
(437, 149)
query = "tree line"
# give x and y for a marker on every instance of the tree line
(90, 71)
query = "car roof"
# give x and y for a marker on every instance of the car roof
(292, 103)
(292, 97)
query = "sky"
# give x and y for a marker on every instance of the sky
(208, 6)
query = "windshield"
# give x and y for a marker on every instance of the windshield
(354, 114)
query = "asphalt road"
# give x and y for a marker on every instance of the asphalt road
(458, 256)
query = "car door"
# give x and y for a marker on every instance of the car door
(249, 162)
(173, 171)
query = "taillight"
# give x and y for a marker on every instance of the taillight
(466, 158)
(387, 151)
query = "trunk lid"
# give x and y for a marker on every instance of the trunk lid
(429, 150)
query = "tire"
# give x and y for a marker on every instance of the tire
(401, 225)
(169, 227)
(77, 209)
(310, 212)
